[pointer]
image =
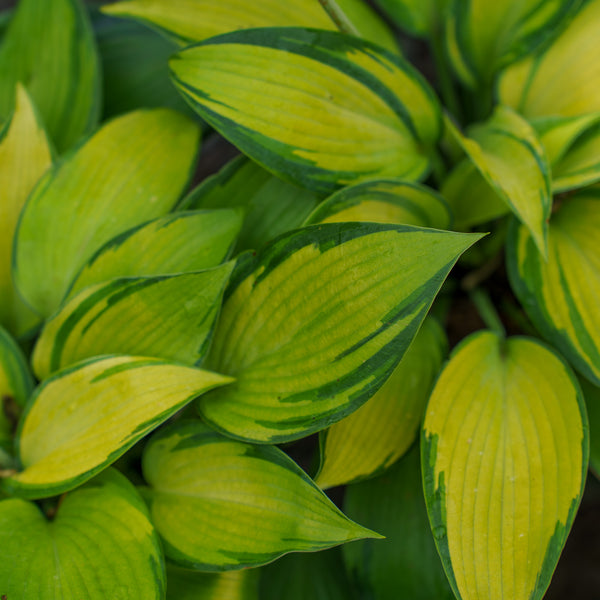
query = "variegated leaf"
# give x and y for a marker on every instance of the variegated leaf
(507, 152)
(381, 431)
(132, 170)
(504, 458)
(561, 295)
(85, 417)
(98, 544)
(49, 46)
(24, 156)
(591, 394)
(314, 324)
(221, 504)
(358, 110)
(385, 201)
(187, 584)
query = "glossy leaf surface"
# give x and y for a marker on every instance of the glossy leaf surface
(49, 46)
(561, 295)
(314, 324)
(220, 504)
(504, 458)
(132, 170)
(24, 156)
(545, 85)
(385, 201)
(85, 417)
(507, 152)
(99, 545)
(363, 112)
(377, 434)
(270, 205)
(405, 564)
(176, 243)
(166, 317)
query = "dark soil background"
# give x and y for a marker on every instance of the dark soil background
(577, 576)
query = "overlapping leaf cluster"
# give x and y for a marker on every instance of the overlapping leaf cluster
(158, 341)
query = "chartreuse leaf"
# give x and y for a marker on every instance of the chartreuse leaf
(85, 417)
(471, 197)
(168, 317)
(364, 112)
(507, 152)
(385, 201)
(418, 17)
(221, 504)
(132, 170)
(405, 564)
(24, 156)
(271, 205)
(381, 431)
(185, 584)
(504, 456)
(560, 296)
(100, 544)
(490, 35)
(543, 85)
(591, 393)
(314, 324)
(135, 72)
(49, 46)
(315, 575)
(16, 383)
(187, 21)
(176, 243)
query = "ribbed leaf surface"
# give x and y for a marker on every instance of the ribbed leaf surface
(220, 504)
(132, 170)
(358, 111)
(168, 317)
(84, 418)
(314, 324)
(561, 295)
(99, 545)
(49, 46)
(504, 457)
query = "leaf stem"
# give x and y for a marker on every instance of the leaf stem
(446, 85)
(480, 298)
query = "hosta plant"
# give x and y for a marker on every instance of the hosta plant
(397, 252)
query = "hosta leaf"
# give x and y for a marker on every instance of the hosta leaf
(504, 455)
(168, 317)
(591, 394)
(507, 152)
(187, 21)
(358, 18)
(490, 35)
(85, 417)
(385, 201)
(135, 72)
(315, 575)
(220, 504)
(49, 46)
(471, 197)
(132, 170)
(271, 205)
(359, 111)
(176, 243)
(16, 384)
(381, 431)
(405, 564)
(99, 545)
(185, 584)
(418, 17)
(24, 156)
(314, 324)
(561, 295)
(544, 85)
